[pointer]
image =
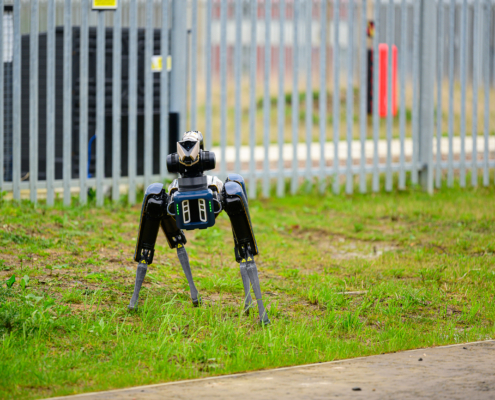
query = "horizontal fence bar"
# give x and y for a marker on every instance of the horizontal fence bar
(272, 174)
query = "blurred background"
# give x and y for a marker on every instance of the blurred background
(342, 93)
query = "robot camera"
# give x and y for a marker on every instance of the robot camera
(191, 159)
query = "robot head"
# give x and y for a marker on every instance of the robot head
(188, 148)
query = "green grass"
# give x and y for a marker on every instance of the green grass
(423, 267)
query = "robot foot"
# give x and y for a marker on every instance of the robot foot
(197, 302)
(142, 268)
(184, 262)
(248, 301)
(253, 277)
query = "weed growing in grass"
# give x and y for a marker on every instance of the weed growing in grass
(343, 277)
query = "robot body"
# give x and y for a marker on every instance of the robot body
(193, 201)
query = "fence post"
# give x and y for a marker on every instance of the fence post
(178, 82)
(427, 44)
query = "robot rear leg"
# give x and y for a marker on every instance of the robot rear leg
(236, 206)
(248, 301)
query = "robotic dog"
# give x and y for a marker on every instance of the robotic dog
(193, 202)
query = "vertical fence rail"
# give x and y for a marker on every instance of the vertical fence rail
(295, 95)
(148, 92)
(309, 88)
(266, 100)
(415, 110)
(223, 87)
(33, 102)
(252, 99)
(2, 105)
(164, 92)
(402, 90)
(194, 64)
(281, 100)
(350, 98)
(376, 120)
(491, 11)
(238, 88)
(208, 77)
(438, 172)
(427, 94)
(16, 133)
(50, 102)
(336, 96)
(450, 161)
(100, 107)
(476, 62)
(83, 101)
(67, 101)
(486, 78)
(116, 103)
(132, 138)
(322, 98)
(363, 93)
(463, 67)
(390, 88)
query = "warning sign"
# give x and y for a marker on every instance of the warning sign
(157, 63)
(104, 4)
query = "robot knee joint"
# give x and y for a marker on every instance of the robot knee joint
(239, 180)
(154, 188)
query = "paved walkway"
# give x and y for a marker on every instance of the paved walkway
(465, 371)
(288, 150)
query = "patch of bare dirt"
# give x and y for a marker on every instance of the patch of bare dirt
(344, 248)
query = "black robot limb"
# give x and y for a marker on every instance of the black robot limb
(152, 211)
(236, 206)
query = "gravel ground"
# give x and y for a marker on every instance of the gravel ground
(465, 371)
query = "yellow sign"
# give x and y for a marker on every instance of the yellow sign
(157, 63)
(104, 4)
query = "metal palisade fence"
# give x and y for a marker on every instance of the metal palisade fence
(340, 93)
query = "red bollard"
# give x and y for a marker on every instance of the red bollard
(383, 102)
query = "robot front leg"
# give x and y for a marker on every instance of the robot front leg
(177, 240)
(186, 267)
(142, 268)
(154, 203)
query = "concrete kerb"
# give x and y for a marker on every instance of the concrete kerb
(264, 371)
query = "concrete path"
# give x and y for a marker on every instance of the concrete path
(465, 371)
(301, 150)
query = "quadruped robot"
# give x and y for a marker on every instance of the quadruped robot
(193, 201)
